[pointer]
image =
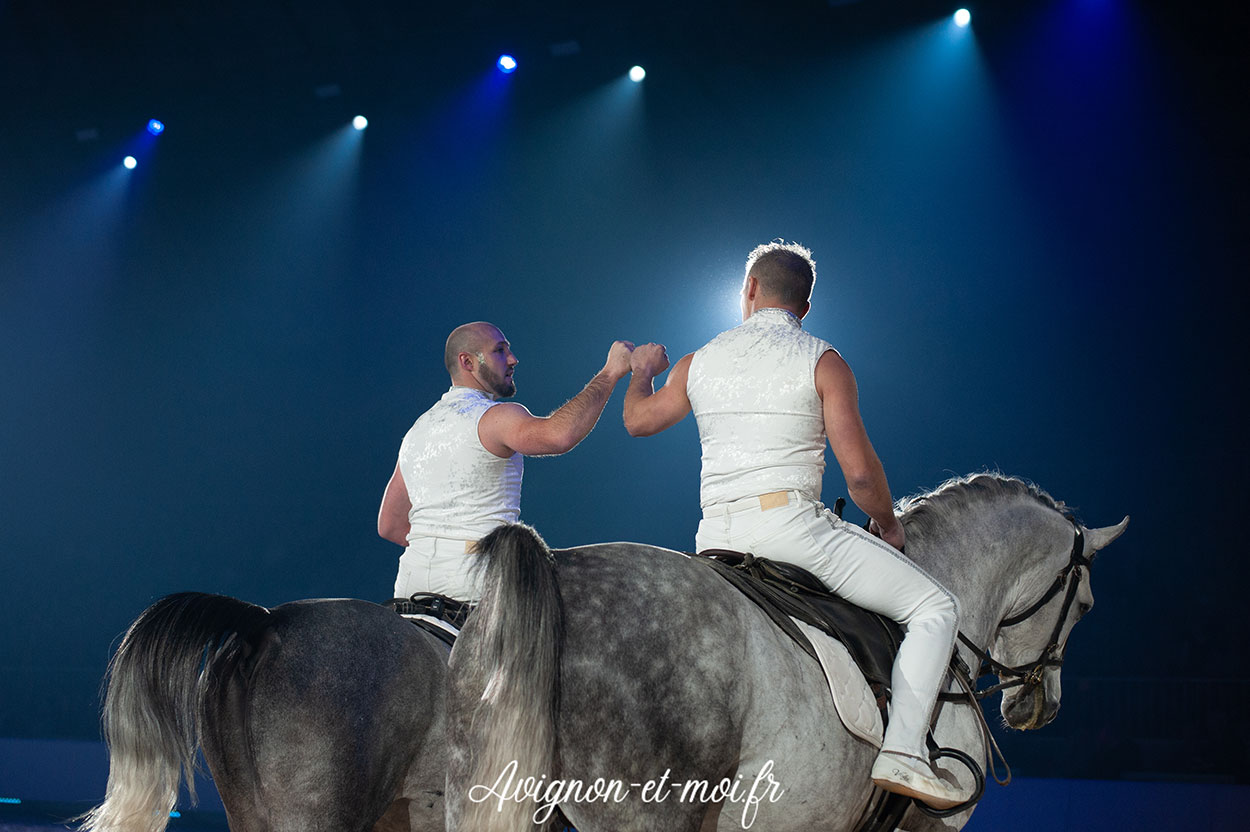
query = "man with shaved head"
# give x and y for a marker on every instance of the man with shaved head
(766, 397)
(458, 475)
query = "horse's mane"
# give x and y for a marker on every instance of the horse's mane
(921, 512)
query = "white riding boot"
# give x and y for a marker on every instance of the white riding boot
(911, 776)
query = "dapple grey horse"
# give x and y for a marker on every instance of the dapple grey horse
(322, 714)
(625, 682)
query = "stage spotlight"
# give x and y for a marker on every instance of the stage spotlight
(963, 17)
(156, 127)
(506, 64)
(360, 122)
(637, 73)
(130, 162)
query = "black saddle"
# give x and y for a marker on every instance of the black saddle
(783, 590)
(436, 606)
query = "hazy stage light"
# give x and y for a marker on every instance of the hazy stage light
(130, 162)
(637, 73)
(360, 122)
(506, 63)
(156, 127)
(963, 17)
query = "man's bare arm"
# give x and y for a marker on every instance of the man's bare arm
(862, 469)
(647, 412)
(510, 428)
(393, 513)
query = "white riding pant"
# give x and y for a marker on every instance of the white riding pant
(438, 564)
(865, 571)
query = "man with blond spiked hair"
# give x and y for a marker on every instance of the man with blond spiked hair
(766, 396)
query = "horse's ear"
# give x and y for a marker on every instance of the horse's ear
(1099, 538)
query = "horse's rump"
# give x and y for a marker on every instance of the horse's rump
(315, 709)
(175, 653)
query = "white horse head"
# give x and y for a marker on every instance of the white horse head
(1034, 639)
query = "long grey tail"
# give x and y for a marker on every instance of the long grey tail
(520, 622)
(171, 655)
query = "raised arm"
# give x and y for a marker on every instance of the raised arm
(393, 513)
(647, 412)
(862, 469)
(510, 428)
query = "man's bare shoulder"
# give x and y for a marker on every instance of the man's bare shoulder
(833, 373)
(510, 408)
(500, 425)
(833, 361)
(505, 412)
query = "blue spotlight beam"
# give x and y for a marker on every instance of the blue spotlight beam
(156, 127)
(506, 64)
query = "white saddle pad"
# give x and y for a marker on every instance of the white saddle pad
(436, 621)
(852, 697)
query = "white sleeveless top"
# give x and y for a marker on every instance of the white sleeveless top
(753, 393)
(458, 489)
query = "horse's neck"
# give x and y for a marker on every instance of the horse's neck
(989, 557)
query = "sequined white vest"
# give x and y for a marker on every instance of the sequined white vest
(458, 488)
(753, 392)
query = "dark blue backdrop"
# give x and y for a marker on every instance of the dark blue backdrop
(1027, 235)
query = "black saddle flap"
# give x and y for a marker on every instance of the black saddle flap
(783, 590)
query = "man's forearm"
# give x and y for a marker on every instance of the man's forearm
(397, 536)
(574, 420)
(394, 529)
(641, 387)
(873, 498)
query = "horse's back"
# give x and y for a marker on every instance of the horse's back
(332, 709)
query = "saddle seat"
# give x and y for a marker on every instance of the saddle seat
(786, 592)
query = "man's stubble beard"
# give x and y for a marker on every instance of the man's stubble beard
(502, 386)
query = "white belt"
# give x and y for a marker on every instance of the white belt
(470, 546)
(763, 502)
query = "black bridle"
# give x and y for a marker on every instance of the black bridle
(1030, 675)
